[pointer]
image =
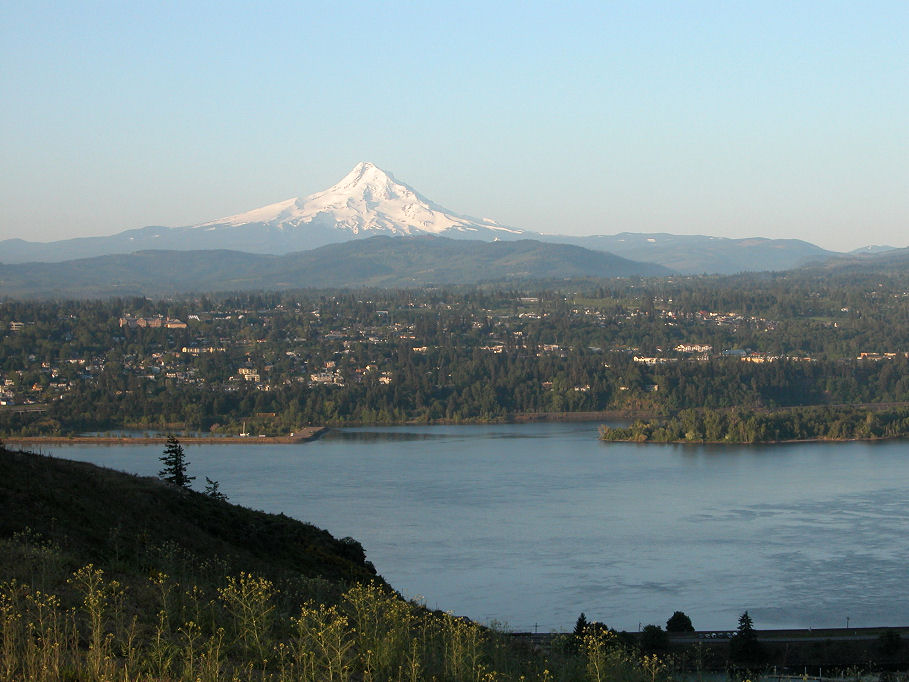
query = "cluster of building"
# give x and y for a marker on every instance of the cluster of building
(157, 321)
(881, 356)
(41, 381)
(253, 347)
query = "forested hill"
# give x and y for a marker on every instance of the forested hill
(894, 261)
(379, 261)
(870, 422)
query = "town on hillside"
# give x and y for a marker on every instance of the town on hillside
(279, 361)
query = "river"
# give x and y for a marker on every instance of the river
(528, 525)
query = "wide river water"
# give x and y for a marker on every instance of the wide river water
(529, 525)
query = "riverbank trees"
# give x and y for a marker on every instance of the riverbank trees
(751, 426)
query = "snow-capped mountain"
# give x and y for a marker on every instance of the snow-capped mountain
(370, 202)
(367, 202)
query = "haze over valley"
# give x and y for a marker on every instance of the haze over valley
(367, 203)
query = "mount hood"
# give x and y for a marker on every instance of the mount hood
(367, 202)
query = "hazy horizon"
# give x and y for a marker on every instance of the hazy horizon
(767, 120)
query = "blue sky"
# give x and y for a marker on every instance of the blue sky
(777, 119)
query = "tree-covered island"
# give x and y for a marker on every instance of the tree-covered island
(773, 426)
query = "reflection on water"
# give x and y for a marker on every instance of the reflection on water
(365, 435)
(534, 523)
(459, 431)
(152, 433)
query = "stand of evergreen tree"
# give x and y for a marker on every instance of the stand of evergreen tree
(744, 648)
(752, 426)
(175, 464)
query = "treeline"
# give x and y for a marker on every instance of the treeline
(748, 426)
(452, 355)
(480, 387)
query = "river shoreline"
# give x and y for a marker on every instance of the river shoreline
(304, 435)
(309, 433)
(792, 441)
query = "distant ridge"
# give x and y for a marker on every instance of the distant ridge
(873, 248)
(873, 262)
(378, 262)
(697, 254)
(370, 202)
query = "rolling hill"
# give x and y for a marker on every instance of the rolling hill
(379, 262)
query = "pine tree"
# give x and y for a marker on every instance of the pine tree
(746, 626)
(744, 647)
(580, 629)
(175, 464)
(213, 489)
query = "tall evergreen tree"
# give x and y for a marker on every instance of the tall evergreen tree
(174, 460)
(744, 647)
(580, 629)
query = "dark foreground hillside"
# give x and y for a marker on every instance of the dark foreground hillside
(100, 515)
(107, 576)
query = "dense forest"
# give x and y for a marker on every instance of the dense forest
(749, 426)
(277, 361)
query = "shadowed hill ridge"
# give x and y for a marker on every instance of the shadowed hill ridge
(99, 515)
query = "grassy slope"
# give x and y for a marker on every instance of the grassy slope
(99, 515)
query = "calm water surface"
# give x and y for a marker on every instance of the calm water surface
(531, 524)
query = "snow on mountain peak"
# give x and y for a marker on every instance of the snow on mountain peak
(365, 174)
(365, 201)
(369, 183)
